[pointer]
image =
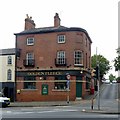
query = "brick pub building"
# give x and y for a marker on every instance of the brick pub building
(47, 55)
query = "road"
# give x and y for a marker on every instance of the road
(108, 100)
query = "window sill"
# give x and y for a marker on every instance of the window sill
(30, 44)
(60, 90)
(78, 65)
(9, 64)
(29, 89)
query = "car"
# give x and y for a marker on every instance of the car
(4, 101)
(107, 81)
(114, 81)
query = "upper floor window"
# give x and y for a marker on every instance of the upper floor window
(61, 57)
(30, 41)
(30, 56)
(61, 38)
(9, 74)
(78, 57)
(9, 61)
(29, 61)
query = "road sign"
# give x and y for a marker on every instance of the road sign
(68, 77)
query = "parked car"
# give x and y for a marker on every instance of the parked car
(4, 101)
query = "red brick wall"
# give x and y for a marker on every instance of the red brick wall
(46, 47)
(53, 95)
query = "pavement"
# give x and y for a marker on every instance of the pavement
(102, 110)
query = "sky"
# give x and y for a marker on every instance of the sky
(98, 17)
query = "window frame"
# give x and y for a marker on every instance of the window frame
(29, 81)
(61, 38)
(29, 39)
(30, 56)
(9, 74)
(9, 60)
(78, 61)
(60, 83)
(61, 57)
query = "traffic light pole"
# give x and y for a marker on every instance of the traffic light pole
(98, 87)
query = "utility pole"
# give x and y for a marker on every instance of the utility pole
(98, 79)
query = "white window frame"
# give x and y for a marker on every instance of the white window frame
(61, 38)
(61, 57)
(29, 56)
(30, 41)
(78, 58)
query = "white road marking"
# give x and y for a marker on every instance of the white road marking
(49, 111)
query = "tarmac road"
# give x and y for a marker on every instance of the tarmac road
(79, 109)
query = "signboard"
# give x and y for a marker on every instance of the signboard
(68, 80)
(68, 77)
(44, 89)
(47, 73)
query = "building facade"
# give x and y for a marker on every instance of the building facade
(47, 56)
(7, 72)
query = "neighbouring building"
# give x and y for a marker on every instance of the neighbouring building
(7, 72)
(47, 56)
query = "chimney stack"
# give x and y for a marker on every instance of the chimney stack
(29, 23)
(56, 20)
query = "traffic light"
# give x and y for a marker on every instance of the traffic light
(95, 72)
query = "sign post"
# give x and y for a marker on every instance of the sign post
(68, 88)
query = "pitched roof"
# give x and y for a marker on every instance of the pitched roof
(52, 29)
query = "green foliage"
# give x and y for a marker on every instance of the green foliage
(117, 61)
(104, 64)
(112, 77)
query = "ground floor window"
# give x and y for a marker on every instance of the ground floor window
(60, 83)
(29, 82)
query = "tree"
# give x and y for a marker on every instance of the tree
(117, 60)
(112, 77)
(104, 64)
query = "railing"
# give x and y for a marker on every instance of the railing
(29, 62)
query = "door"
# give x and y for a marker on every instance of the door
(78, 86)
